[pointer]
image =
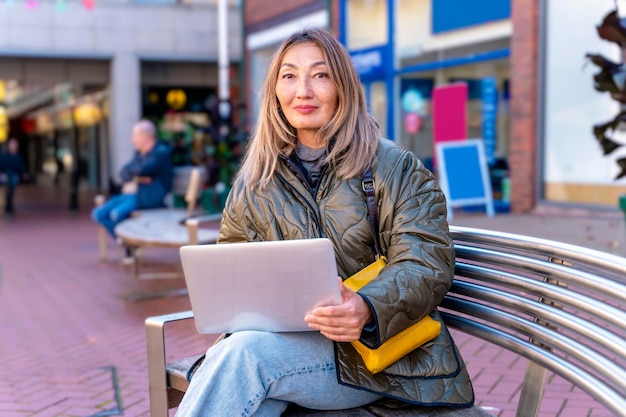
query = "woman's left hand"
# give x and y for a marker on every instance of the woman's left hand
(344, 322)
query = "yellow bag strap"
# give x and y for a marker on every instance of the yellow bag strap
(365, 275)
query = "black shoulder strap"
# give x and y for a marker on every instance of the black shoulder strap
(369, 187)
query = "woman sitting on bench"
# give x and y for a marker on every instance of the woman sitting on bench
(304, 176)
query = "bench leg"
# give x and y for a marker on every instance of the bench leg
(142, 274)
(535, 377)
(157, 374)
(135, 260)
(102, 243)
(157, 378)
(102, 233)
(192, 231)
(532, 391)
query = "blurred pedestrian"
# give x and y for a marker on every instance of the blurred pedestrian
(14, 169)
(148, 179)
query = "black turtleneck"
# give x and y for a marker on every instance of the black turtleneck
(311, 160)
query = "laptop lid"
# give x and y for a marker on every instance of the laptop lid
(266, 286)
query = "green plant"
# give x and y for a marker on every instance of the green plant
(611, 79)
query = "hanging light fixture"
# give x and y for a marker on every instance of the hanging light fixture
(4, 124)
(87, 114)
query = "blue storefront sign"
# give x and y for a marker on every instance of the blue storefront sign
(489, 97)
(450, 15)
(369, 62)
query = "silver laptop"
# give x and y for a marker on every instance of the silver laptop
(266, 286)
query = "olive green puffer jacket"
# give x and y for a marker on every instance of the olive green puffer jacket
(414, 236)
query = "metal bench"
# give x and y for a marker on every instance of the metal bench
(561, 306)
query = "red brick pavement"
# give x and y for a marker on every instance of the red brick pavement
(64, 321)
(64, 324)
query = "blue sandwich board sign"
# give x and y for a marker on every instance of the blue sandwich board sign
(464, 175)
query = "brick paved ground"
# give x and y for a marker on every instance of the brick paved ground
(68, 336)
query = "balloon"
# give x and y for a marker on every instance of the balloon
(412, 101)
(61, 5)
(412, 123)
(89, 4)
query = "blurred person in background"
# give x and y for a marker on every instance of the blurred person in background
(147, 179)
(13, 169)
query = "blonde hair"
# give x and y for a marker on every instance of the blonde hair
(351, 135)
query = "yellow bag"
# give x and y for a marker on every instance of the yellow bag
(399, 345)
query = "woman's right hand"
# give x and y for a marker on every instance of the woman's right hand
(344, 322)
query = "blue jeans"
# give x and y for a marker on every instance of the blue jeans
(259, 373)
(115, 210)
(12, 182)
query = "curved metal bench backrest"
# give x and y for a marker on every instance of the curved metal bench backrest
(561, 306)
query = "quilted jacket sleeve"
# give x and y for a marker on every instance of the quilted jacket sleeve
(416, 239)
(235, 227)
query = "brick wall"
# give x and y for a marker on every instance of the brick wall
(334, 17)
(523, 135)
(259, 11)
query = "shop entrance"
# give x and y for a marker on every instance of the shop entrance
(57, 111)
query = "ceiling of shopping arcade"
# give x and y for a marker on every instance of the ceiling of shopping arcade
(39, 95)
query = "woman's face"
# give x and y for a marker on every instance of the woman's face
(306, 94)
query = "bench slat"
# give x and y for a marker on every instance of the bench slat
(177, 372)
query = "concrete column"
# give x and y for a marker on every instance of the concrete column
(125, 109)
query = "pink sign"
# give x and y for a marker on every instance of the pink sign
(450, 112)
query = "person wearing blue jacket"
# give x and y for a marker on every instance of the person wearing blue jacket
(14, 169)
(150, 170)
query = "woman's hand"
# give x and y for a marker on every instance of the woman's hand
(344, 322)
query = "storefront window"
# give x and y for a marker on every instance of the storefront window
(415, 104)
(416, 131)
(367, 23)
(575, 169)
(377, 103)
(413, 27)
